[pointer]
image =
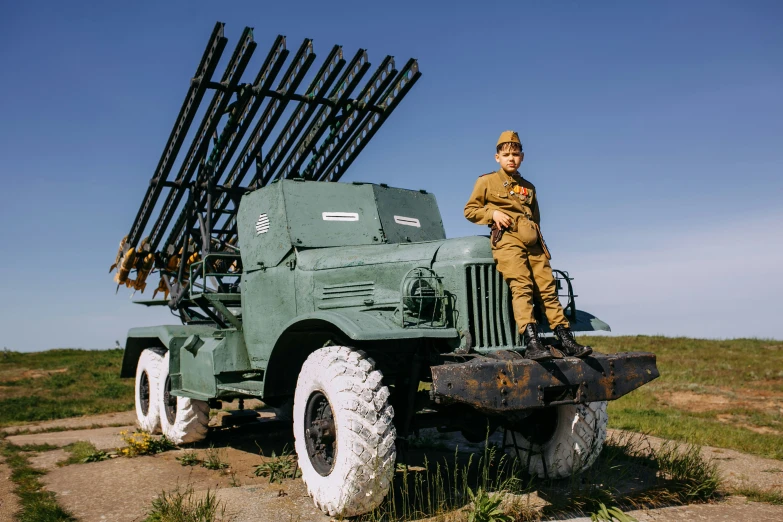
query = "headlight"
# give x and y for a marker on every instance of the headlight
(419, 293)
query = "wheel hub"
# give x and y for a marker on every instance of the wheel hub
(169, 402)
(144, 393)
(320, 433)
(538, 427)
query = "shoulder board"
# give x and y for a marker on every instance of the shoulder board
(487, 174)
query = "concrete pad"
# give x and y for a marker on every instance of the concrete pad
(735, 509)
(122, 489)
(270, 503)
(102, 438)
(75, 423)
(48, 460)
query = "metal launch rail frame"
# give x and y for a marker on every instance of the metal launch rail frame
(194, 245)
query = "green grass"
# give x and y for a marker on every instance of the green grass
(58, 384)
(37, 505)
(82, 452)
(746, 373)
(629, 473)
(755, 494)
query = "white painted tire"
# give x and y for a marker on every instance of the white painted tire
(364, 453)
(574, 446)
(187, 419)
(148, 372)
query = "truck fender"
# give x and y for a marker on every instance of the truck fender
(308, 332)
(155, 336)
(366, 326)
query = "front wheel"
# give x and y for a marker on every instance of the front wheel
(182, 420)
(344, 436)
(561, 441)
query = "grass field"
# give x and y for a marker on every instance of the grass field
(717, 393)
(56, 384)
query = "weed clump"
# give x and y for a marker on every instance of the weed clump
(610, 514)
(278, 467)
(755, 494)
(485, 507)
(183, 506)
(189, 458)
(689, 475)
(142, 443)
(213, 459)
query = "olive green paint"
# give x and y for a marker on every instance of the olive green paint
(320, 255)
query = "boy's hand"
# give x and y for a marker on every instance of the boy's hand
(501, 219)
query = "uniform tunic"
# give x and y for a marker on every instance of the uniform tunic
(521, 254)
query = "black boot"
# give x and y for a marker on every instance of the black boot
(569, 344)
(535, 349)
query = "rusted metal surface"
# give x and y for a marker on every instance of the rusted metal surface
(508, 382)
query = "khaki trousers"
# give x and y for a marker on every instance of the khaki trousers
(526, 269)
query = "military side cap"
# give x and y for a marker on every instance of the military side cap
(509, 136)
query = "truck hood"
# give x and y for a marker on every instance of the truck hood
(339, 257)
(461, 248)
(473, 248)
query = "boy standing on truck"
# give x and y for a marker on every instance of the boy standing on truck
(508, 203)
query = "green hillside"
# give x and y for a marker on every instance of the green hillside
(717, 393)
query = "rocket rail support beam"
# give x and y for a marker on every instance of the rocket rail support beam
(266, 124)
(198, 87)
(231, 76)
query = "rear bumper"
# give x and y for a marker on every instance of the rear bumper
(507, 382)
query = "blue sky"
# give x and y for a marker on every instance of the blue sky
(653, 131)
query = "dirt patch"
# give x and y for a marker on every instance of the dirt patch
(691, 401)
(29, 374)
(722, 400)
(9, 503)
(734, 508)
(738, 421)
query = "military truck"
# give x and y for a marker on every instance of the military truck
(342, 305)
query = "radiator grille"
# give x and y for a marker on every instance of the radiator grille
(490, 315)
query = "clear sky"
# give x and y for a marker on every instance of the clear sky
(653, 132)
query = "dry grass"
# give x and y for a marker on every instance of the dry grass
(726, 394)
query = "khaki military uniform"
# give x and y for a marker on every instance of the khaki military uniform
(521, 254)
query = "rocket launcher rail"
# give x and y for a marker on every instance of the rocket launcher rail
(323, 133)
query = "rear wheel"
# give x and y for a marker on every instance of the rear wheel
(182, 420)
(559, 442)
(148, 372)
(344, 432)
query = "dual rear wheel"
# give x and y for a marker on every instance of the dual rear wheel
(180, 419)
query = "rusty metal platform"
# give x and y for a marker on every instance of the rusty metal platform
(506, 381)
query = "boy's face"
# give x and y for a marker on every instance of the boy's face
(510, 159)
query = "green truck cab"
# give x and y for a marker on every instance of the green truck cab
(342, 305)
